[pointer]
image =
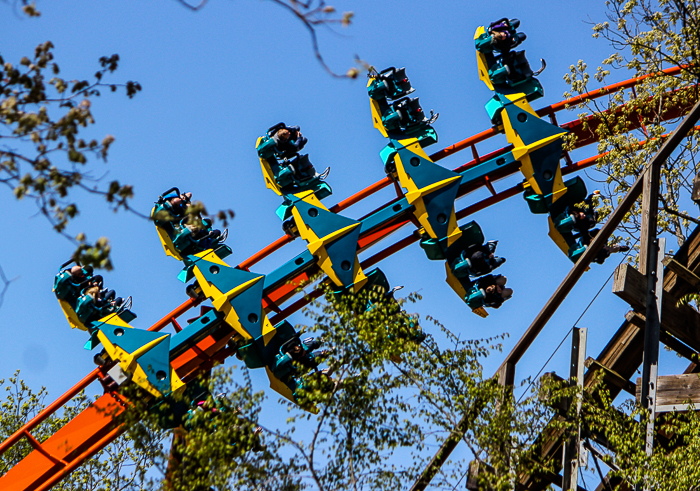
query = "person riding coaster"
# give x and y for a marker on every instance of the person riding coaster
(70, 282)
(292, 171)
(477, 260)
(96, 302)
(577, 222)
(85, 293)
(188, 231)
(489, 291)
(579, 217)
(296, 364)
(505, 67)
(468, 255)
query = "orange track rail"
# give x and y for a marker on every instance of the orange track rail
(94, 428)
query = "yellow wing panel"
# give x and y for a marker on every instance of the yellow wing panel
(557, 237)
(481, 61)
(454, 283)
(71, 316)
(377, 118)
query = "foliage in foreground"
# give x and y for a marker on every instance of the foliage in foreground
(385, 402)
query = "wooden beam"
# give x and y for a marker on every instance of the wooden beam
(676, 345)
(611, 376)
(682, 272)
(681, 322)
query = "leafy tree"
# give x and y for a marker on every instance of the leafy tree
(385, 399)
(43, 116)
(119, 466)
(42, 154)
(648, 36)
(377, 412)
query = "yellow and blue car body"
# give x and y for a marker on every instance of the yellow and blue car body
(537, 144)
(429, 189)
(331, 238)
(143, 355)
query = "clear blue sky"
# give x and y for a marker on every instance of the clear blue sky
(216, 79)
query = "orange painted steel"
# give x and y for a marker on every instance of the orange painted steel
(181, 309)
(76, 441)
(49, 410)
(94, 428)
(42, 451)
(263, 253)
(594, 94)
(357, 197)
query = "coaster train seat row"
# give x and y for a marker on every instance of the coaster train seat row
(537, 144)
(237, 314)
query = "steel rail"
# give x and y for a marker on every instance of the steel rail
(82, 385)
(276, 245)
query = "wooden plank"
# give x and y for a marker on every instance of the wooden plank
(623, 353)
(682, 322)
(676, 389)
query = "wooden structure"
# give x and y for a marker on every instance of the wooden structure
(622, 356)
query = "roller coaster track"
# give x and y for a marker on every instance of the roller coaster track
(95, 427)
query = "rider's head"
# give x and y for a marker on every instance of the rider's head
(284, 134)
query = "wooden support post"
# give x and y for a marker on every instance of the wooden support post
(646, 210)
(652, 334)
(652, 268)
(572, 446)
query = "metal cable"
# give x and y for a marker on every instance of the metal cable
(577, 321)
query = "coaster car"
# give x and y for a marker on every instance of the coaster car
(84, 301)
(570, 217)
(287, 172)
(134, 354)
(378, 283)
(396, 116)
(501, 68)
(287, 359)
(181, 233)
(390, 83)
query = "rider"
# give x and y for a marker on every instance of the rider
(580, 218)
(606, 251)
(96, 302)
(189, 232)
(477, 260)
(489, 291)
(288, 143)
(69, 283)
